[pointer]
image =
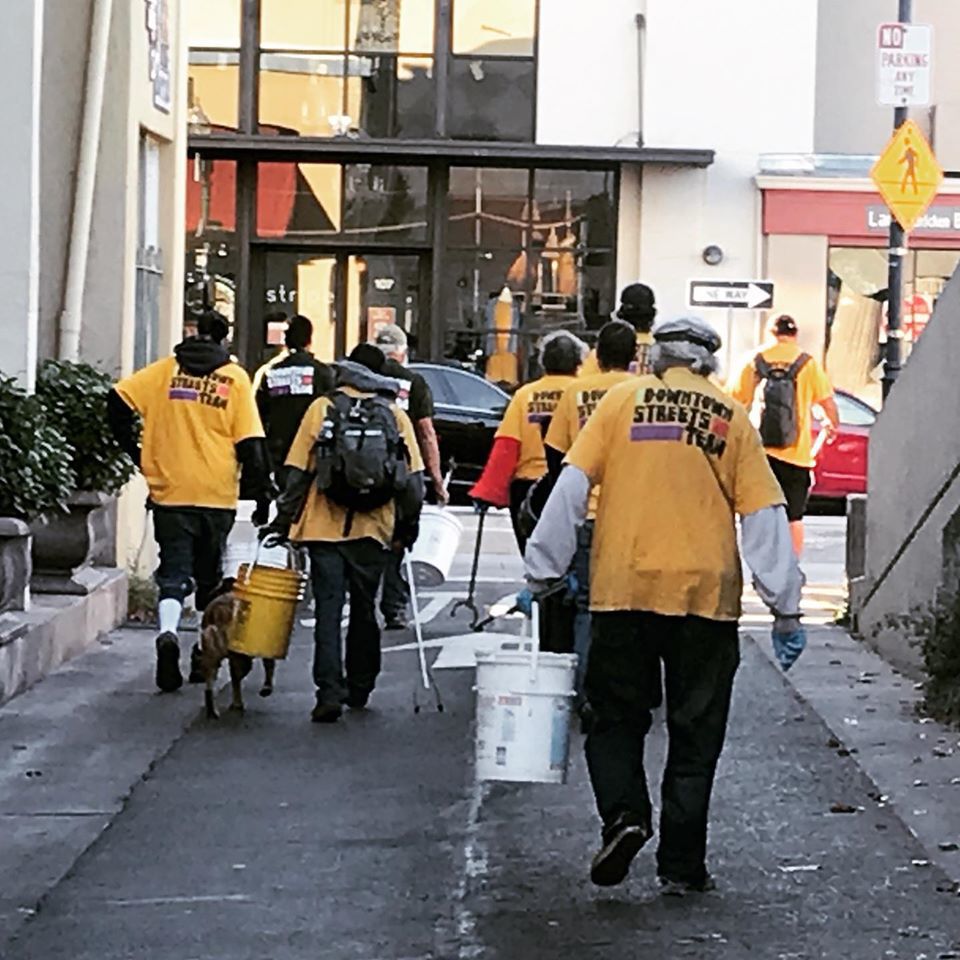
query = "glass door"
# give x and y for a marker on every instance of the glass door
(382, 289)
(348, 296)
(292, 282)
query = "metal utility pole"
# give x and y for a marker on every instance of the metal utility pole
(898, 250)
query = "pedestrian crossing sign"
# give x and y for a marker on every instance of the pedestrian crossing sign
(907, 174)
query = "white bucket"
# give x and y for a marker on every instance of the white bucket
(523, 715)
(238, 552)
(432, 555)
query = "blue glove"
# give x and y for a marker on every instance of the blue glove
(789, 640)
(524, 602)
(573, 585)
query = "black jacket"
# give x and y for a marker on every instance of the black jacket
(286, 390)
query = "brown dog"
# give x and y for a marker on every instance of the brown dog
(214, 636)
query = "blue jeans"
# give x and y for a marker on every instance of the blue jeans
(336, 568)
(582, 620)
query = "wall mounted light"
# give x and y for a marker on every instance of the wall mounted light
(712, 255)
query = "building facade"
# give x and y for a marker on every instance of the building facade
(406, 161)
(92, 250)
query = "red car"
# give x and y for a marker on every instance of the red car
(842, 465)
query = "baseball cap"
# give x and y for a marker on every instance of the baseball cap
(689, 330)
(636, 296)
(392, 337)
(785, 326)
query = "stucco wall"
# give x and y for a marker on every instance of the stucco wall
(740, 98)
(20, 61)
(587, 79)
(914, 446)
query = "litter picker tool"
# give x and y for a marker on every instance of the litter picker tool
(426, 675)
(470, 602)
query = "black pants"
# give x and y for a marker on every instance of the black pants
(557, 612)
(518, 493)
(191, 542)
(395, 597)
(700, 658)
(353, 566)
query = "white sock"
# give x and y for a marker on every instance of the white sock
(168, 613)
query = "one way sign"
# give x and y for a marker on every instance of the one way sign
(738, 294)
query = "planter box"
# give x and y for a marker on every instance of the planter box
(15, 565)
(64, 546)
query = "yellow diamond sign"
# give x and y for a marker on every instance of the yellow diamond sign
(907, 174)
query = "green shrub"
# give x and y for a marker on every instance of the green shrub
(36, 460)
(75, 398)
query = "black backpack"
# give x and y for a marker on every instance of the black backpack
(360, 456)
(779, 422)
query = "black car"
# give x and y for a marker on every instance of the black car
(467, 412)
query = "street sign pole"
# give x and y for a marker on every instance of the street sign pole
(898, 240)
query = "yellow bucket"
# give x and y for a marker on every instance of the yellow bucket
(266, 604)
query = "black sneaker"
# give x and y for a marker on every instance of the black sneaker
(168, 677)
(680, 888)
(196, 666)
(357, 699)
(326, 713)
(621, 843)
(395, 621)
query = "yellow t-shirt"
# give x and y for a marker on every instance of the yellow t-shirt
(640, 366)
(813, 386)
(676, 459)
(576, 405)
(190, 427)
(527, 418)
(322, 519)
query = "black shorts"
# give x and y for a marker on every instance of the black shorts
(795, 483)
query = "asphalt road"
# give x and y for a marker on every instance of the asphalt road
(267, 837)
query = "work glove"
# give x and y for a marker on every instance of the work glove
(524, 602)
(274, 534)
(480, 506)
(789, 640)
(261, 513)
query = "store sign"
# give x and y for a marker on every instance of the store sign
(935, 220)
(378, 318)
(158, 53)
(904, 64)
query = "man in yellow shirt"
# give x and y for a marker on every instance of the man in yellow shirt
(616, 351)
(677, 461)
(348, 544)
(794, 382)
(517, 460)
(638, 308)
(200, 426)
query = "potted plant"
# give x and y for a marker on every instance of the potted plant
(36, 477)
(74, 396)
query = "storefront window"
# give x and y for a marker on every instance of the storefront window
(303, 24)
(387, 203)
(212, 255)
(540, 241)
(363, 67)
(391, 26)
(492, 75)
(317, 201)
(491, 99)
(857, 310)
(494, 27)
(391, 96)
(213, 33)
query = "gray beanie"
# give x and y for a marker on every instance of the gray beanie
(685, 342)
